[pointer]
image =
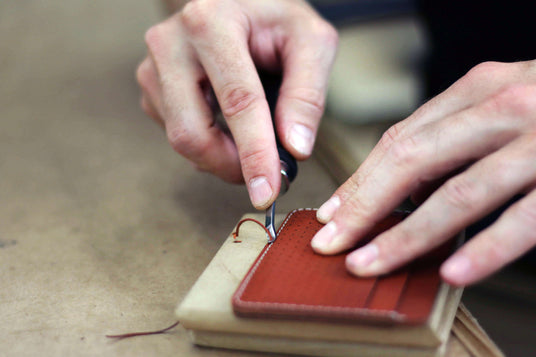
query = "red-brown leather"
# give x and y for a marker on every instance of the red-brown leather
(289, 280)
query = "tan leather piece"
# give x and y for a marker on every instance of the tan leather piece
(289, 280)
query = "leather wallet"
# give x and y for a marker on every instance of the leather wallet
(289, 280)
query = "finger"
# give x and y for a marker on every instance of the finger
(189, 121)
(147, 78)
(434, 150)
(459, 202)
(150, 110)
(307, 56)
(237, 86)
(512, 235)
(192, 131)
(481, 82)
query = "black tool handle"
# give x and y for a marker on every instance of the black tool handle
(271, 83)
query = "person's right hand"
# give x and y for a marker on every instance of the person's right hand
(218, 44)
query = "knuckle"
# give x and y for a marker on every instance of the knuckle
(526, 212)
(154, 35)
(389, 137)
(355, 181)
(491, 251)
(461, 193)
(352, 184)
(144, 74)
(235, 100)
(179, 139)
(485, 71)
(313, 100)
(404, 152)
(328, 35)
(252, 159)
(356, 206)
(517, 100)
(197, 15)
(186, 143)
(405, 240)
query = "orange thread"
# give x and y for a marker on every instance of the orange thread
(133, 334)
(235, 233)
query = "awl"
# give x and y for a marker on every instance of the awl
(289, 167)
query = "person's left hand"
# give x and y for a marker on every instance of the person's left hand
(474, 146)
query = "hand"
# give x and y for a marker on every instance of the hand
(476, 144)
(218, 44)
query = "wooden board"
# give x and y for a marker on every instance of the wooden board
(207, 313)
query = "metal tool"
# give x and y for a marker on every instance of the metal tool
(289, 167)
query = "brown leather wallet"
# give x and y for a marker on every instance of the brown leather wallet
(289, 280)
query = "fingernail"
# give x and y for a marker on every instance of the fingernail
(328, 209)
(260, 191)
(324, 237)
(456, 268)
(363, 257)
(301, 138)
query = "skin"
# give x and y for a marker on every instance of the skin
(218, 44)
(483, 128)
(461, 155)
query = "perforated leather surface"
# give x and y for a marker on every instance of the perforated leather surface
(289, 280)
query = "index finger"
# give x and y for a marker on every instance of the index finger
(239, 91)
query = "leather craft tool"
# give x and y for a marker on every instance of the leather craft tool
(289, 168)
